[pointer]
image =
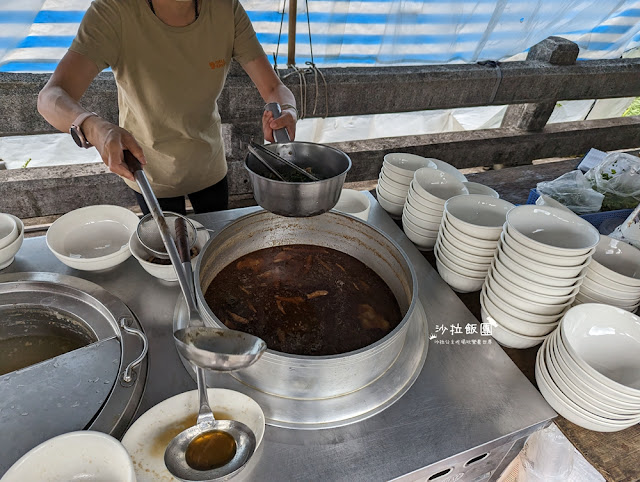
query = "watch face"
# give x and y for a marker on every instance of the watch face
(75, 134)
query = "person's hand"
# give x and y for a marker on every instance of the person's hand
(110, 140)
(287, 119)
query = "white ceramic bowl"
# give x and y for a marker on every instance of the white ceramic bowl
(458, 237)
(395, 177)
(423, 204)
(601, 280)
(580, 398)
(529, 274)
(566, 272)
(8, 253)
(387, 186)
(420, 222)
(463, 255)
(146, 438)
(546, 258)
(402, 186)
(422, 214)
(568, 409)
(463, 245)
(611, 291)
(449, 169)
(617, 261)
(424, 243)
(471, 271)
(8, 230)
(427, 233)
(518, 313)
(509, 338)
(92, 238)
(389, 206)
(595, 296)
(527, 294)
(582, 297)
(552, 230)
(406, 164)
(355, 203)
(531, 307)
(478, 215)
(539, 286)
(164, 271)
(566, 379)
(389, 196)
(458, 282)
(76, 456)
(478, 270)
(477, 188)
(586, 382)
(605, 342)
(510, 322)
(437, 186)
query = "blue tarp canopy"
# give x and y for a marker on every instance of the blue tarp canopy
(34, 34)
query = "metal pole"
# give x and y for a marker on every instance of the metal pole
(293, 12)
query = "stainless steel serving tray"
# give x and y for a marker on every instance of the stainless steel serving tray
(40, 410)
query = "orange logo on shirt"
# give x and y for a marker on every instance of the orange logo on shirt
(217, 64)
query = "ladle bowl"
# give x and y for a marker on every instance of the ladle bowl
(175, 455)
(219, 349)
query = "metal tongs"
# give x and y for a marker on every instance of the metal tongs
(259, 150)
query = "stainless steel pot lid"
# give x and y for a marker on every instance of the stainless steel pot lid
(97, 385)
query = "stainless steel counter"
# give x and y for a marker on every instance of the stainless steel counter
(470, 399)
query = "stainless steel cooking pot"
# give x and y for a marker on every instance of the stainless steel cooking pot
(299, 199)
(319, 377)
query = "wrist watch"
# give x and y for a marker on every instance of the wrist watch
(76, 130)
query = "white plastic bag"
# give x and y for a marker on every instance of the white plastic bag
(573, 191)
(618, 178)
(629, 231)
(547, 456)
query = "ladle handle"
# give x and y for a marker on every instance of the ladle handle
(205, 414)
(186, 284)
(182, 242)
(280, 135)
(132, 162)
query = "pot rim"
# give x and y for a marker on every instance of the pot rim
(369, 350)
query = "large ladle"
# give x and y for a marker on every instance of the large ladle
(236, 350)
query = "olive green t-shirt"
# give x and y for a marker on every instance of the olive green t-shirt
(169, 79)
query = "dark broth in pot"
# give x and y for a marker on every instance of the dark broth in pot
(304, 300)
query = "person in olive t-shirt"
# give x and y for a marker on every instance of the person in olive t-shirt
(170, 59)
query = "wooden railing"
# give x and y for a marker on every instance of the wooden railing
(531, 88)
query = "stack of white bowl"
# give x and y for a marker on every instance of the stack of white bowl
(396, 175)
(422, 214)
(587, 370)
(541, 259)
(11, 237)
(468, 238)
(613, 276)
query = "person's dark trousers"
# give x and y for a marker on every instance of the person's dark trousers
(212, 198)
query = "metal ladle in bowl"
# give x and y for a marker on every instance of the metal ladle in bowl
(222, 350)
(240, 350)
(175, 455)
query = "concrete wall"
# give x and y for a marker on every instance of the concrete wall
(550, 74)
